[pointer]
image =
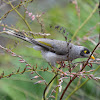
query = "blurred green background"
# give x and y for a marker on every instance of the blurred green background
(56, 12)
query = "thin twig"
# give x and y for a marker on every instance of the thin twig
(13, 9)
(48, 86)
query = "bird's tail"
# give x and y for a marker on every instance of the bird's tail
(18, 35)
(25, 38)
(28, 39)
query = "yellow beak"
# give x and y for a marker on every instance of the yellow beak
(93, 57)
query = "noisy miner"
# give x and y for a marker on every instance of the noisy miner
(55, 50)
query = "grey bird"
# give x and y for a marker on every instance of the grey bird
(55, 50)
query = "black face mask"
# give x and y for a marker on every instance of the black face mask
(83, 52)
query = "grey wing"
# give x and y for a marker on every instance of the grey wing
(56, 46)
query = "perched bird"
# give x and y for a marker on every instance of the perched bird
(55, 50)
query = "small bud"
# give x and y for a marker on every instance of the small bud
(4, 29)
(77, 76)
(84, 76)
(89, 77)
(71, 75)
(32, 72)
(26, 12)
(52, 96)
(39, 81)
(34, 77)
(27, 64)
(29, 68)
(33, 17)
(30, 14)
(13, 54)
(22, 61)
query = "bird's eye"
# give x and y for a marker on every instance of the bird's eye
(85, 51)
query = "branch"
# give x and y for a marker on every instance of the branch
(22, 61)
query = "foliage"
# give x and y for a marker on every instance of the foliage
(24, 74)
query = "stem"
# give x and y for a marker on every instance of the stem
(47, 86)
(57, 89)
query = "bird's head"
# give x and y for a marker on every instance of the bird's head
(85, 53)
